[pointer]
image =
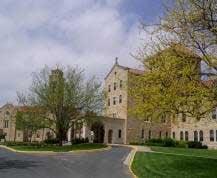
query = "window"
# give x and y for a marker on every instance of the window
(18, 135)
(214, 114)
(149, 134)
(109, 88)
(115, 86)
(114, 100)
(6, 123)
(143, 134)
(216, 135)
(38, 135)
(174, 135)
(201, 135)
(183, 117)
(186, 135)
(119, 133)
(160, 134)
(114, 115)
(195, 136)
(109, 102)
(211, 134)
(163, 118)
(115, 73)
(166, 134)
(120, 99)
(121, 83)
(181, 135)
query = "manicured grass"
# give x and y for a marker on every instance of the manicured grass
(187, 151)
(157, 165)
(58, 148)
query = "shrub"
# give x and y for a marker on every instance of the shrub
(181, 144)
(168, 142)
(198, 145)
(51, 141)
(11, 143)
(80, 140)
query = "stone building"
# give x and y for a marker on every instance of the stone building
(121, 127)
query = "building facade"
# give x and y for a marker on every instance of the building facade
(121, 127)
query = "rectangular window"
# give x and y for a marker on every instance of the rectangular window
(160, 134)
(114, 115)
(109, 103)
(115, 86)
(120, 99)
(186, 135)
(109, 88)
(216, 135)
(6, 123)
(121, 83)
(214, 113)
(119, 133)
(211, 132)
(183, 117)
(166, 134)
(149, 134)
(114, 100)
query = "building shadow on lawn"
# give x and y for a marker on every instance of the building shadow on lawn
(16, 164)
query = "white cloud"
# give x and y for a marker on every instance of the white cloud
(88, 33)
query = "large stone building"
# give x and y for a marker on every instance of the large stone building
(121, 127)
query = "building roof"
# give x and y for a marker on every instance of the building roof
(131, 70)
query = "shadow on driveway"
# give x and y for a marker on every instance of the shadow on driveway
(17, 164)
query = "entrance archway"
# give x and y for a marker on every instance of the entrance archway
(110, 135)
(98, 129)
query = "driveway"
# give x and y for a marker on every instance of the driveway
(105, 164)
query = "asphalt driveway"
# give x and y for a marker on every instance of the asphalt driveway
(105, 164)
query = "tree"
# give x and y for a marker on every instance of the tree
(170, 83)
(66, 98)
(30, 120)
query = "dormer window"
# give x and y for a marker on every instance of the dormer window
(115, 86)
(115, 73)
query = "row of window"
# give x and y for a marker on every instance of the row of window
(115, 100)
(115, 86)
(198, 136)
(150, 134)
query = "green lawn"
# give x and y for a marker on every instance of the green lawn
(157, 165)
(188, 152)
(58, 148)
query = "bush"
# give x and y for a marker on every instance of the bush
(168, 142)
(51, 141)
(181, 144)
(11, 143)
(80, 140)
(198, 145)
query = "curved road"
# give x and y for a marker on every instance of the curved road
(105, 164)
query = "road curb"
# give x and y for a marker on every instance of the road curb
(129, 159)
(52, 152)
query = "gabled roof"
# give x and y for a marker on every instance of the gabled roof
(131, 70)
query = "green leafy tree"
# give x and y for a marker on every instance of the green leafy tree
(67, 98)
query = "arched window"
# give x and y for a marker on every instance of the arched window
(201, 135)
(211, 133)
(181, 135)
(160, 134)
(195, 136)
(186, 135)
(143, 134)
(174, 135)
(119, 134)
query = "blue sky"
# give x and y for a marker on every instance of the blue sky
(86, 33)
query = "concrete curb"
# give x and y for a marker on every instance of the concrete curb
(52, 152)
(129, 159)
